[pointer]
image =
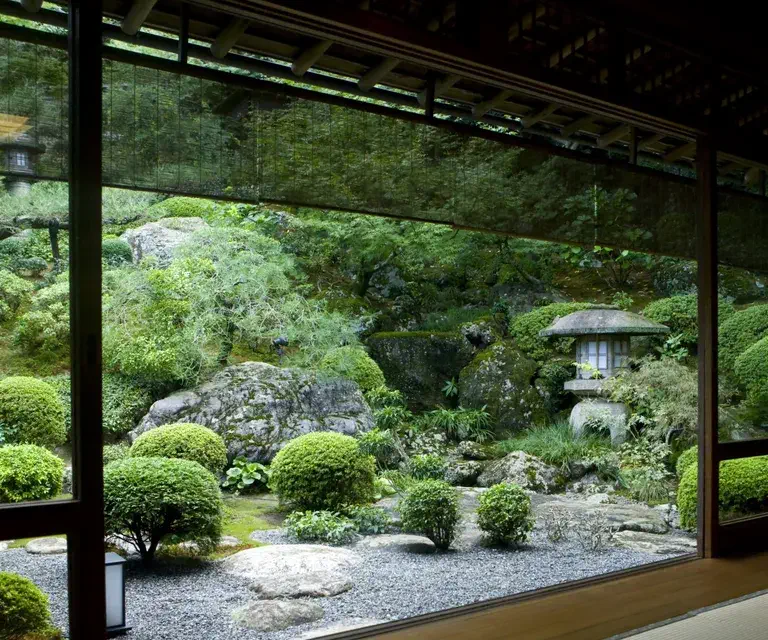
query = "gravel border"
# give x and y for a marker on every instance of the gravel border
(179, 600)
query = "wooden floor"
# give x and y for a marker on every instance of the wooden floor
(599, 611)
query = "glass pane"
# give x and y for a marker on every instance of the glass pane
(36, 568)
(743, 488)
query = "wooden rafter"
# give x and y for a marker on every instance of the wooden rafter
(136, 16)
(571, 46)
(481, 108)
(614, 135)
(228, 37)
(687, 150)
(307, 58)
(648, 142)
(33, 6)
(441, 86)
(377, 73)
(577, 125)
(534, 118)
(526, 22)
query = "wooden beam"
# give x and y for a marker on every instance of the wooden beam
(574, 127)
(481, 108)
(309, 57)
(136, 16)
(683, 151)
(529, 121)
(607, 139)
(526, 22)
(33, 6)
(228, 37)
(375, 74)
(730, 168)
(441, 86)
(645, 143)
(572, 46)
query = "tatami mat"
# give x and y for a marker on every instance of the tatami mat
(746, 619)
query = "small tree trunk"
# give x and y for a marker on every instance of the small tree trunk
(53, 234)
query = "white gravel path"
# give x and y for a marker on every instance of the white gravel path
(177, 601)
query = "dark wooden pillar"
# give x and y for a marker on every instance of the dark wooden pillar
(706, 235)
(85, 536)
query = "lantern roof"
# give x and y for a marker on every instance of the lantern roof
(601, 320)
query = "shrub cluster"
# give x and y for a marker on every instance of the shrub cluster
(323, 471)
(743, 489)
(369, 520)
(23, 609)
(525, 330)
(680, 314)
(320, 526)
(114, 452)
(30, 413)
(149, 500)
(29, 472)
(427, 466)
(116, 252)
(183, 440)
(687, 458)
(14, 291)
(738, 333)
(355, 364)
(504, 514)
(431, 508)
(45, 327)
(383, 445)
(751, 371)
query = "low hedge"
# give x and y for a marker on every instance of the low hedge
(183, 440)
(323, 471)
(743, 489)
(751, 372)
(30, 413)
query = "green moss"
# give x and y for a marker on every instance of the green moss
(356, 365)
(413, 335)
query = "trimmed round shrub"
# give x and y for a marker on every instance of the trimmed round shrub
(680, 314)
(743, 489)
(151, 500)
(431, 508)
(23, 607)
(114, 452)
(14, 291)
(738, 333)
(116, 252)
(427, 467)
(356, 365)
(686, 459)
(30, 413)
(320, 526)
(504, 514)
(29, 472)
(382, 444)
(751, 372)
(183, 440)
(183, 207)
(525, 330)
(323, 471)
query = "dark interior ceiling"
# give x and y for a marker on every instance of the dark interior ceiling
(625, 76)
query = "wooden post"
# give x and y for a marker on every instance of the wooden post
(633, 145)
(183, 32)
(706, 249)
(429, 96)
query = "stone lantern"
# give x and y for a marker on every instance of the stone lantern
(602, 351)
(19, 156)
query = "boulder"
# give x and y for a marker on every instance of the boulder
(621, 514)
(398, 542)
(655, 543)
(418, 363)
(257, 407)
(294, 570)
(525, 470)
(160, 239)
(47, 546)
(472, 450)
(501, 379)
(480, 333)
(274, 615)
(463, 473)
(340, 627)
(4, 545)
(613, 415)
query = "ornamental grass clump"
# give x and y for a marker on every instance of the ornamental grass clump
(504, 514)
(152, 500)
(431, 508)
(323, 471)
(30, 413)
(24, 610)
(29, 472)
(183, 440)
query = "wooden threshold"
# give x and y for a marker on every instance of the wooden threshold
(599, 611)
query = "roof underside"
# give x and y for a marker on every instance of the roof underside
(585, 75)
(601, 322)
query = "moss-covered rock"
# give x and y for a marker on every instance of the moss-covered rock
(418, 363)
(501, 378)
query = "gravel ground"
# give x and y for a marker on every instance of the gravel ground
(181, 601)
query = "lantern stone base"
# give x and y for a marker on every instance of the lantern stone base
(615, 414)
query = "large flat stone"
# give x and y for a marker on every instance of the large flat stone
(340, 627)
(294, 570)
(398, 542)
(47, 546)
(274, 615)
(654, 543)
(622, 516)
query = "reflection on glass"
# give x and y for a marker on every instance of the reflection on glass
(743, 488)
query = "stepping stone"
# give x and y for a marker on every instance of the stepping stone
(227, 542)
(47, 546)
(340, 627)
(294, 570)
(654, 543)
(4, 545)
(398, 542)
(274, 615)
